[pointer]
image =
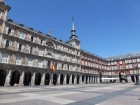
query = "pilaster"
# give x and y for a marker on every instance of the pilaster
(42, 79)
(58, 79)
(8, 78)
(33, 79)
(70, 80)
(65, 79)
(51, 79)
(21, 81)
(80, 79)
(75, 79)
(84, 79)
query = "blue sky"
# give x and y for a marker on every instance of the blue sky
(104, 27)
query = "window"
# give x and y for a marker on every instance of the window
(31, 49)
(41, 41)
(126, 61)
(22, 35)
(108, 63)
(138, 59)
(68, 67)
(31, 38)
(49, 62)
(62, 66)
(0, 14)
(19, 49)
(9, 30)
(7, 44)
(120, 62)
(56, 46)
(134, 60)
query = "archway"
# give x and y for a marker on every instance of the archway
(86, 79)
(82, 78)
(133, 78)
(72, 79)
(77, 79)
(122, 76)
(67, 81)
(27, 79)
(15, 78)
(37, 78)
(54, 79)
(47, 79)
(61, 79)
(2, 77)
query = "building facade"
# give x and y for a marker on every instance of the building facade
(30, 57)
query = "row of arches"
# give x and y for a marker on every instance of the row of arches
(49, 79)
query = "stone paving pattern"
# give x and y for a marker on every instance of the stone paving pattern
(83, 94)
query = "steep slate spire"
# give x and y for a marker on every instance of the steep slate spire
(73, 31)
(72, 23)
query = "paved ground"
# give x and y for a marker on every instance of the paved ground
(89, 94)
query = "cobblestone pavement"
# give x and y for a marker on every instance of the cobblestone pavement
(83, 94)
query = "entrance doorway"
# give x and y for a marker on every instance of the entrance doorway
(132, 78)
(15, 78)
(37, 78)
(72, 79)
(2, 77)
(123, 76)
(47, 79)
(67, 79)
(86, 79)
(27, 79)
(54, 79)
(77, 79)
(82, 78)
(61, 79)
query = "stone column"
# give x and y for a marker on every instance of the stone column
(84, 79)
(88, 80)
(75, 79)
(129, 79)
(65, 79)
(118, 80)
(98, 79)
(95, 79)
(21, 80)
(42, 79)
(70, 80)
(8, 78)
(58, 79)
(33, 79)
(91, 80)
(80, 79)
(51, 79)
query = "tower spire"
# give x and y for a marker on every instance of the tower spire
(73, 31)
(72, 23)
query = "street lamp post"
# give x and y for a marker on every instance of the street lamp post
(137, 74)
